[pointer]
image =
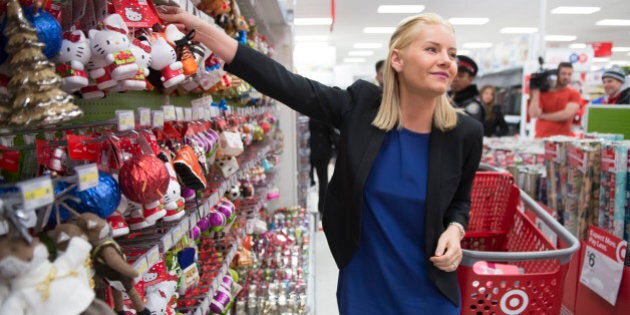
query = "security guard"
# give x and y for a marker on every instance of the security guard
(463, 92)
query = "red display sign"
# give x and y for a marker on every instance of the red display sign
(602, 49)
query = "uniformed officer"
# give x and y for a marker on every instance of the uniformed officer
(463, 92)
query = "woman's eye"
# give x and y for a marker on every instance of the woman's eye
(453, 55)
(431, 49)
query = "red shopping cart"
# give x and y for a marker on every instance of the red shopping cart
(509, 266)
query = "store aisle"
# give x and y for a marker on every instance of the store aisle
(325, 268)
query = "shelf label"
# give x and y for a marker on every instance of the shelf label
(37, 192)
(125, 120)
(153, 255)
(179, 113)
(145, 116)
(167, 241)
(169, 112)
(88, 176)
(141, 265)
(602, 269)
(187, 114)
(158, 119)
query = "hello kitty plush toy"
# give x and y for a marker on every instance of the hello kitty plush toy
(142, 52)
(182, 43)
(164, 59)
(113, 44)
(98, 70)
(74, 54)
(173, 201)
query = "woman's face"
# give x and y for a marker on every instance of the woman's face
(427, 65)
(487, 96)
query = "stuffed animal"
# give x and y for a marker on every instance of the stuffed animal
(110, 263)
(74, 55)
(142, 52)
(182, 48)
(164, 60)
(39, 286)
(173, 201)
(113, 44)
(98, 70)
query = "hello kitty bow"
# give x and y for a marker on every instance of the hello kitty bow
(116, 29)
(71, 37)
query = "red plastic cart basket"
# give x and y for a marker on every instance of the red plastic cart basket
(499, 232)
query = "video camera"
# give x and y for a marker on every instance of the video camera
(543, 78)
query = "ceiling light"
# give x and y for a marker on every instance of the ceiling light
(575, 10)
(469, 21)
(354, 60)
(577, 46)
(600, 59)
(360, 53)
(518, 30)
(620, 49)
(311, 38)
(312, 21)
(379, 30)
(613, 22)
(595, 68)
(463, 51)
(622, 63)
(477, 45)
(560, 38)
(367, 45)
(400, 9)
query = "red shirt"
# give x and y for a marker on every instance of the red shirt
(555, 101)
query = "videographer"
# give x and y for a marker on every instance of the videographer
(554, 107)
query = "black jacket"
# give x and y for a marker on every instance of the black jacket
(453, 158)
(468, 100)
(321, 141)
(497, 125)
(624, 97)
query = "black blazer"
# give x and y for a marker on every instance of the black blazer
(453, 158)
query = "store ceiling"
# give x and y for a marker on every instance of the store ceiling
(352, 16)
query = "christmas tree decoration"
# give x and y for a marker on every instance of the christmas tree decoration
(38, 100)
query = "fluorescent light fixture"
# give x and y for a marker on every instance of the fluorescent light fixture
(600, 59)
(312, 21)
(575, 10)
(367, 45)
(379, 30)
(595, 68)
(311, 38)
(560, 38)
(577, 46)
(620, 49)
(360, 53)
(354, 60)
(400, 9)
(463, 51)
(613, 22)
(477, 45)
(518, 30)
(469, 21)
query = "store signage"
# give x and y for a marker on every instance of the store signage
(602, 269)
(158, 119)
(169, 112)
(145, 116)
(602, 49)
(88, 176)
(125, 119)
(581, 59)
(36, 192)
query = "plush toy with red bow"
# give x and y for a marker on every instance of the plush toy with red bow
(142, 52)
(164, 60)
(74, 55)
(112, 43)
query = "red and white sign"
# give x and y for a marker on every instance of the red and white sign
(602, 49)
(603, 263)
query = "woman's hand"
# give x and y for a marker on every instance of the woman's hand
(448, 253)
(184, 21)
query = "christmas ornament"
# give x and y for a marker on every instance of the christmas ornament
(48, 29)
(113, 44)
(34, 83)
(164, 60)
(71, 61)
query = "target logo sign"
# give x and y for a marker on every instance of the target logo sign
(514, 302)
(621, 251)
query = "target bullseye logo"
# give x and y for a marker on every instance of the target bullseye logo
(622, 247)
(514, 302)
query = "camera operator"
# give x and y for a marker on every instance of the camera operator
(465, 94)
(556, 107)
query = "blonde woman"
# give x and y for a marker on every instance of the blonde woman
(494, 123)
(398, 201)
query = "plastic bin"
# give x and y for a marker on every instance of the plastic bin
(500, 232)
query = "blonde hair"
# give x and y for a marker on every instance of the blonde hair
(489, 106)
(389, 114)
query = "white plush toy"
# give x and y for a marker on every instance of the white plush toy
(39, 286)
(164, 59)
(99, 72)
(173, 201)
(142, 52)
(113, 44)
(74, 55)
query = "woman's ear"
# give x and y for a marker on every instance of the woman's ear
(397, 60)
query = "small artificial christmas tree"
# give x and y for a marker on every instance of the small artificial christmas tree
(38, 100)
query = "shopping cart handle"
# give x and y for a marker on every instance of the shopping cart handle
(564, 254)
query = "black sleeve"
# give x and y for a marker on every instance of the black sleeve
(501, 126)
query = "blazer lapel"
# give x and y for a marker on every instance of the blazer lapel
(433, 221)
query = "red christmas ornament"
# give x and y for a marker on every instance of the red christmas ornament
(143, 179)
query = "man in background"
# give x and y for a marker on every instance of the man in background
(463, 92)
(555, 109)
(379, 71)
(614, 80)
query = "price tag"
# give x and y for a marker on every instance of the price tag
(145, 116)
(153, 256)
(126, 120)
(185, 225)
(197, 112)
(603, 263)
(187, 114)
(88, 176)
(141, 265)
(167, 241)
(179, 113)
(178, 233)
(158, 119)
(37, 192)
(169, 112)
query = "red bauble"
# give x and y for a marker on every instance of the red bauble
(265, 126)
(143, 179)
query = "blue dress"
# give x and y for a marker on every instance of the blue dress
(387, 274)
